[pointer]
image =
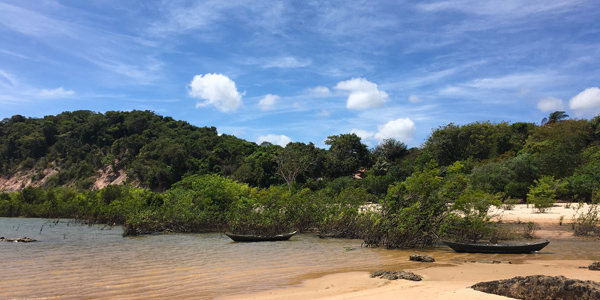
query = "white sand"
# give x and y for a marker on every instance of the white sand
(523, 213)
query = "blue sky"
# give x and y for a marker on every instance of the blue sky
(304, 70)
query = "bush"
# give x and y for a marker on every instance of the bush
(469, 221)
(543, 193)
(510, 203)
(467, 228)
(413, 210)
(586, 221)
(529, 230)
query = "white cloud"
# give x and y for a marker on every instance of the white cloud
(512, 8)
(320, 91)
(217, 90)
(268, 102)
(490, 89)
(414, 99)
(363, 93)
(523, 91)
(280, 140)
(7, 79)
(587, 102)
(399, 129)
(59, 92)
(511, 81)
(363, 134)
(287, 62)
(550, 104)
(324, 113)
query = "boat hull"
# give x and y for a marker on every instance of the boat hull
(497, 248)
(259, 238)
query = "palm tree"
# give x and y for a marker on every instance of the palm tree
(557, 116)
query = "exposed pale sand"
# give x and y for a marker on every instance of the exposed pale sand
(524, 213)
(444, 279)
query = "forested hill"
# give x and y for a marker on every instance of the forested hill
(89, 150)
(154, 151)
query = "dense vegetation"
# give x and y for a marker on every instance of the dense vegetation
(188, 179)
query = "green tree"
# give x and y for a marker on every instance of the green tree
(295, 159)
(558, 146)
(556, 117)
(586, 178)
(479, 140)
(391, 151)
(511, 177)
(346, 155)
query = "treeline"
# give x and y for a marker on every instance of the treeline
(508, 159)
(158, 151)
(189, 179)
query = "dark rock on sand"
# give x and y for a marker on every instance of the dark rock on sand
(483, 261)
(19, 240)
(595, 266)
(494, 262)
(394, 275)
(422, 258)
(541, 287)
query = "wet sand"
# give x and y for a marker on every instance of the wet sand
(447, 279)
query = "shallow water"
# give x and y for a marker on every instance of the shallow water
(72, 261)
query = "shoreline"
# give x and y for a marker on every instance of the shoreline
(446, 279)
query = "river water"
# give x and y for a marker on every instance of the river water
(71, 261)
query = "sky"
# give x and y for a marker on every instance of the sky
(301, 71)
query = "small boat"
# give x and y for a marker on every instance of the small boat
(497, 248)
(259, 238)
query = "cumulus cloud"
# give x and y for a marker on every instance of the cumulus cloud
(586, 102)
(55, 93)
(414, 99)
(363, 134)
(280, 140)
(217, 90)
(550, 104)
(363, 93)
(268, 102)
(320, 91)
(399, 129)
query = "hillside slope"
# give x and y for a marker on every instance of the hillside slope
(85, 149)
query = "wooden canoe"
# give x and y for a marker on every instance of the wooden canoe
(497, 248)
(259, 238)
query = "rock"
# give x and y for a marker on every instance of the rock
(394, 275)
(595, 266)
(19, 240)
(422, 258)
(495, 262)
(377, 274)
(541, 287)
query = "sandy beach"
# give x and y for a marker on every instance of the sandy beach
(448, 279)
